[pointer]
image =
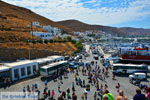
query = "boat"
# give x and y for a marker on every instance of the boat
(135, 52)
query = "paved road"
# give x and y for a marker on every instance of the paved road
(128, 88)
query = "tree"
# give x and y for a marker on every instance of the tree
(69, 38)
(40, 41)
(46, 41)
(74, 41)
(51, 41)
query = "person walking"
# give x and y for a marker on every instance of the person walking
(68, 94)
(45, 82)
(105, 98)
(95, 96)
(53, 93)
(109, 95)
(49, 93)
(147, 95)
(139, 95)
(24, 91)
(118, 87)
(121, 96)
(74, 96)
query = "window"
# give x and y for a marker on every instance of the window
(16, 73)
(22, 71)
(34, 68)
(28, 70)
(41, 35)
(42, 69)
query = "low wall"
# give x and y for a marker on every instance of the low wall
(12, 54)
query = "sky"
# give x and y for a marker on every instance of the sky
(117, 13)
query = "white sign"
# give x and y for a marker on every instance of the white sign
(18, 96)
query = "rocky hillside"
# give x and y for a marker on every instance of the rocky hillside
(15, 27)
(76, 25)
(17, 20)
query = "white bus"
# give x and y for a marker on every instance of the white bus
(54, 68)
(129, 68)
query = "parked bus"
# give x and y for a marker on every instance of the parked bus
(129, 68)
(53, 69)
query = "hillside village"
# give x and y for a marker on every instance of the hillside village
(52, 32)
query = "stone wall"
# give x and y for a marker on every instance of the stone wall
(12, 54)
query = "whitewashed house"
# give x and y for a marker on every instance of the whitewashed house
(57, 31)
(54, 30)
(43, 35)
(35, 23)
(49, 28)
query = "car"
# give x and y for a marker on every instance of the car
(80, 56)
(87, 64)
(80, 63)
(73, 65)
(70, 59)
(94, 52)
(86, 55)
(138, 76)
(77, 57)
(96, 57)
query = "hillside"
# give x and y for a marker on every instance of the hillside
(76, 25)
(67, 47)
(15, 28)
(18, 19)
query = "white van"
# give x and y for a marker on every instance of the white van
(139, 76)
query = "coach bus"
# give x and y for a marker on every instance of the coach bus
(53, 68)
(129, 68)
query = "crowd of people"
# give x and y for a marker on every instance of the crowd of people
(95, 75)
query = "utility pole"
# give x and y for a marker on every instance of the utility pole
(31, 41)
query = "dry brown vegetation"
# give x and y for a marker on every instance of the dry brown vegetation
(15, 27)
(67, 47)
(14, 36)
(27, 15)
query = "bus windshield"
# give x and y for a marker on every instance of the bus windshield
(53, 68)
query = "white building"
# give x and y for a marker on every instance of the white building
(43, 35)
(22, 69)
(35, 23)
(26, 68)
(54, 30)
(49, 28)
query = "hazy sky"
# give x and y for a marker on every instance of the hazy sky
(120, 13)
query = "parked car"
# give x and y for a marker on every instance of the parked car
(77, 57)
(87, 64)
(96, 57)
(80, 56)
(94, 52)
(86, 55)
(138, 76)
(73, 65)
